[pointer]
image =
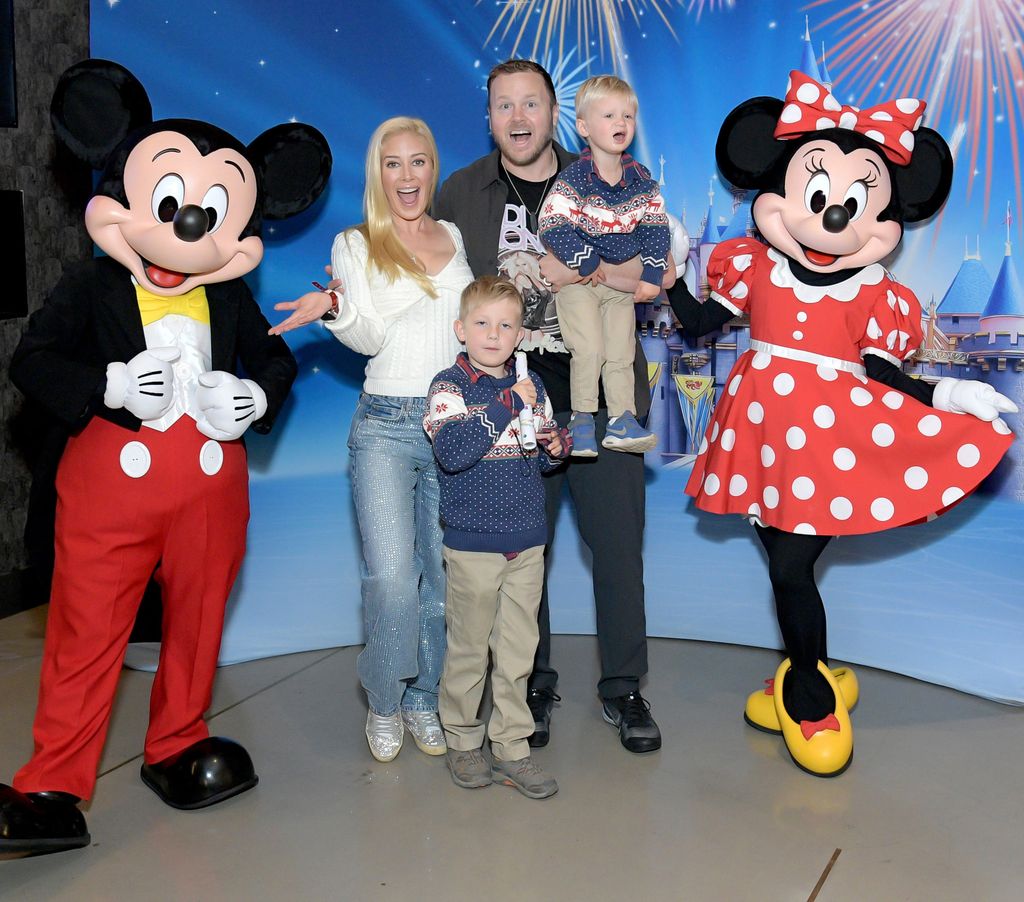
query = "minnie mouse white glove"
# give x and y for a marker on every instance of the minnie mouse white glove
(970, 396)
(144, 386)
(680, 245)
(227, 405)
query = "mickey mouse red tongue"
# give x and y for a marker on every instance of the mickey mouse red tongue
(164, 278)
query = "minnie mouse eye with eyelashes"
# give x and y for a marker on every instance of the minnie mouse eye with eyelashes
(856, 200)
(816, 192)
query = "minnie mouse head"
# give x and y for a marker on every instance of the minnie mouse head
(835, 184)
(180, 202)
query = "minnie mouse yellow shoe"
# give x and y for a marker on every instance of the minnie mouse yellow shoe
(760, 708)
(823, 748)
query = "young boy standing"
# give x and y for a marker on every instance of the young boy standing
(492, 507)
(605, 206)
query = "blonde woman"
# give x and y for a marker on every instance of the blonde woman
(403, 274)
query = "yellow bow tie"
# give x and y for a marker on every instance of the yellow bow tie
(192, 304)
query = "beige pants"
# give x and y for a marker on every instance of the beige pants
(491, 606)
(599, 330)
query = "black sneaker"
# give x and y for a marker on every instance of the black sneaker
(632, 715)
(540, 702)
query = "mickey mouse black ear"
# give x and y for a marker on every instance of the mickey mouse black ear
(294, 162)
(95, 105)
(923, 185)
(747, 150)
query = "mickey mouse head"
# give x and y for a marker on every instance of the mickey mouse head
(180, 202)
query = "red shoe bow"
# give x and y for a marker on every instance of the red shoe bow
(810, 727)
(769, 686)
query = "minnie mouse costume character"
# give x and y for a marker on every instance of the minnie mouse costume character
(136, 354)
(819, 432)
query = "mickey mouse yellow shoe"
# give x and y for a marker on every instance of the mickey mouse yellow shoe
(823, 748)
(760, 708)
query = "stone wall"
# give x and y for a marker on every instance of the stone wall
(50, 35)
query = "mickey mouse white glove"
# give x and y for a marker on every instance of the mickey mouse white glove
(227, 405)
(144, 386)
(970, 396)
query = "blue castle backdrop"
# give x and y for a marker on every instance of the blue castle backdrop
(941, 601)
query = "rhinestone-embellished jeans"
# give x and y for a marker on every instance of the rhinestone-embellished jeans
(397, 496)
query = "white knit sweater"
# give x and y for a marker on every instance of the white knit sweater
(407, 334)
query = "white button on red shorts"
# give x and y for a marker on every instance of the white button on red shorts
(135, 459)
(211, 458)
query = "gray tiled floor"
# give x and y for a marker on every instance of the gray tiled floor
(930, 809)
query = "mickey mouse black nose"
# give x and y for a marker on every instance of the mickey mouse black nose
(191, 222)
(836, 218)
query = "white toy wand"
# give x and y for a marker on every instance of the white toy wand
(527, 432)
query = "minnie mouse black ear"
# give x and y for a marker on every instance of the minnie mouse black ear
(94, 107)
(747, 150)
(294, 162)
(923, 185)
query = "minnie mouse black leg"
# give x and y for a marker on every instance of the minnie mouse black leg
(801, 616)
(811, 710)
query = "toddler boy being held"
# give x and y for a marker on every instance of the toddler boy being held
(605, 206)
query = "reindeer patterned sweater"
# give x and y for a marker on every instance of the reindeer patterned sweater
(584, 220)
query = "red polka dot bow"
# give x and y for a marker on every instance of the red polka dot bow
(811, 107)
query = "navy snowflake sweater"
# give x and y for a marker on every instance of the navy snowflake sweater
(492, 498)
(584, 220)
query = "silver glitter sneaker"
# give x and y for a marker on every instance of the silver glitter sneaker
(426, 731)
(384, 735)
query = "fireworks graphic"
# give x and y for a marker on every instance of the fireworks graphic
(710, 5)
(598, 22)
(962, 56)
(566, 79)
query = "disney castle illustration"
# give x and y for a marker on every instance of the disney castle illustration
(973, 332)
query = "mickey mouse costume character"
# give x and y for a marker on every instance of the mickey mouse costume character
(136, 354)
(819, 432)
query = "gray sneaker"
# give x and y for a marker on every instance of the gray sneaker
(470, 770)
(525, 775)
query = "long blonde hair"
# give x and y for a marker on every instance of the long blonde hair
(386, 252)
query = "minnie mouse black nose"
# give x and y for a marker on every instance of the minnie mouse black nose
(836, 218)
(191, 223)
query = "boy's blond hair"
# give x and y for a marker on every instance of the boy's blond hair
(487, 289)
(601, 86)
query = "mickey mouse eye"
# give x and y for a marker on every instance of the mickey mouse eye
(167, 197)
(856, 200)
(215, 203)
(816, 192)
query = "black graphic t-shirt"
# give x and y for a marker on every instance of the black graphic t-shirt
(519, 253)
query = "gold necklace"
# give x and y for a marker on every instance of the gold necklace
(534, 213)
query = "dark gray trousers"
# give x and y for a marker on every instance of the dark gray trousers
(608, 495)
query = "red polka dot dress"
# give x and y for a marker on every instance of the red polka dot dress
(801, 439)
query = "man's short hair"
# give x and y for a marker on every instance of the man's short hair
(512, 66)
(602, 86)
(487, 289)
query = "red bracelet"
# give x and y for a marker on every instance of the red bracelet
(331, 314)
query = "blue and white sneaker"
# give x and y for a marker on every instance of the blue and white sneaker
(584, 439)
(624, 433)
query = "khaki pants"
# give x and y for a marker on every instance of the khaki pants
(491, 606)
(599, 329)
